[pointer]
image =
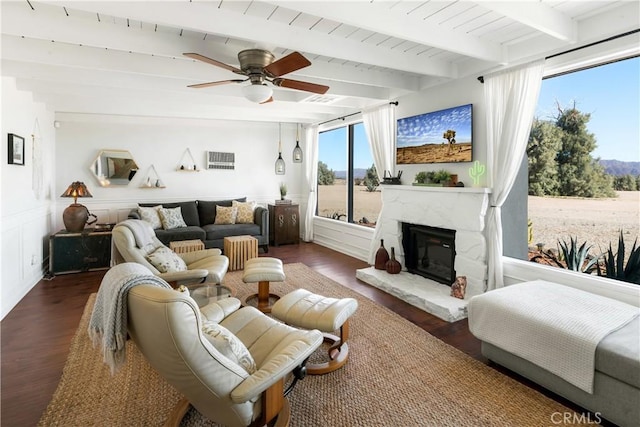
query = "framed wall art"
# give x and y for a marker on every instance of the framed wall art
(16, 149)
(444, 136)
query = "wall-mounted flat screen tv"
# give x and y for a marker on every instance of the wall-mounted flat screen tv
(444, 136)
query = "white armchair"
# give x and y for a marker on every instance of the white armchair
(167, 327)
(134, 241)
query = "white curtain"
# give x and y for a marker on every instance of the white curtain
(311, 175)
(380, 126)
(511, 97)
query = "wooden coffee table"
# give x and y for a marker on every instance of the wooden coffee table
(183, 246)
(240, 249)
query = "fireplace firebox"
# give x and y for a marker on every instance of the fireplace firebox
(430, 252)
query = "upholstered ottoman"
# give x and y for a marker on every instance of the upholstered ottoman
(262, 270)
(306, 310)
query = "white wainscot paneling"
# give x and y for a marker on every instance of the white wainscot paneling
(518, 271)
(350, 239)
(24, 245)
(11, 257)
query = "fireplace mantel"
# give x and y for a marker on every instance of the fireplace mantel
(462, 209)
(434, 189)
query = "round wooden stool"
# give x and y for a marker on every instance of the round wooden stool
(263, 270)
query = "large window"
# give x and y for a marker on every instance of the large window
(584, 161)
(347, 180)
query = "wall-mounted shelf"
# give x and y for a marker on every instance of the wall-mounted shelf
(152, 179)
(187, 162)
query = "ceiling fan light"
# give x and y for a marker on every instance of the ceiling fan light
(257, 93)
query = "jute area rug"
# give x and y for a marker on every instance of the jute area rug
(397, 375)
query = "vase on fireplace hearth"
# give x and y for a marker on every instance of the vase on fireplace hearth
(382, 256)
(393, 265)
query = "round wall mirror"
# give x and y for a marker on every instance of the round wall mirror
(114, 167)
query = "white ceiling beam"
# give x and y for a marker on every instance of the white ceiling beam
(102, 100)
(380, 18)
(607, 24)
(208, 18)
(86, 57)
(538, 16)
(117, 69)
(360, 75)
(48, 23)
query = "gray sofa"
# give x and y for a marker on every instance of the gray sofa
(199, 215)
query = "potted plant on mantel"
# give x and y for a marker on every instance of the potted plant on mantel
(283, 190)
(440, 178)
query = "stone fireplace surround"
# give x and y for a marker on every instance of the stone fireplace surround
(462, 209)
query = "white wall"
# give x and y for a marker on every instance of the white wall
(460, 92)
(163, 142)
(355, 240)
(26, 219)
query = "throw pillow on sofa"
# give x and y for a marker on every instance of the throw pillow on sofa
(171, 218)
(150, 215)
(245, 212)
(226, 215)
(207, 209)
(166, 261)
(229, 345)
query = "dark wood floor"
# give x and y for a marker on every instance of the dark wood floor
(37, 333)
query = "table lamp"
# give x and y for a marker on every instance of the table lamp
(76, 216)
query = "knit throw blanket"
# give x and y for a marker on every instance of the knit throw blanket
(142, 233)
(108, 324)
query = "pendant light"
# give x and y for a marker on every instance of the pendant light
(297, 152)
(280, 166)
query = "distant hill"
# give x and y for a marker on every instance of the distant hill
(618, 167)
(357, 173)
(612, 167)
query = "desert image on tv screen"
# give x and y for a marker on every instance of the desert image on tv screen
(443, 136)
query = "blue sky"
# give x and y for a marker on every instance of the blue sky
(610, 93)
(429, 128)
(332, 148)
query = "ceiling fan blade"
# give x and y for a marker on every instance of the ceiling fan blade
(299, 85)
(203, 58)
(292, 62)
(218, 83)
(268, 100)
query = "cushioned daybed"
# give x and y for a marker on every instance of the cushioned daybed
(201, 221)
(543, 331)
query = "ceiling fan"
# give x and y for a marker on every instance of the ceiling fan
(259, 67)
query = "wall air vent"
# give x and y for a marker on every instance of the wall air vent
(322, 99)
(218, 160)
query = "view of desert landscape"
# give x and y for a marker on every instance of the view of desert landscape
(434, 153)
(595, 221)
(332, 199)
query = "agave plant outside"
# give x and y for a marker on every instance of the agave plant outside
(577, 258)
(615, 267)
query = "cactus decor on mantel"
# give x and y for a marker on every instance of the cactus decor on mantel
(476, 171)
